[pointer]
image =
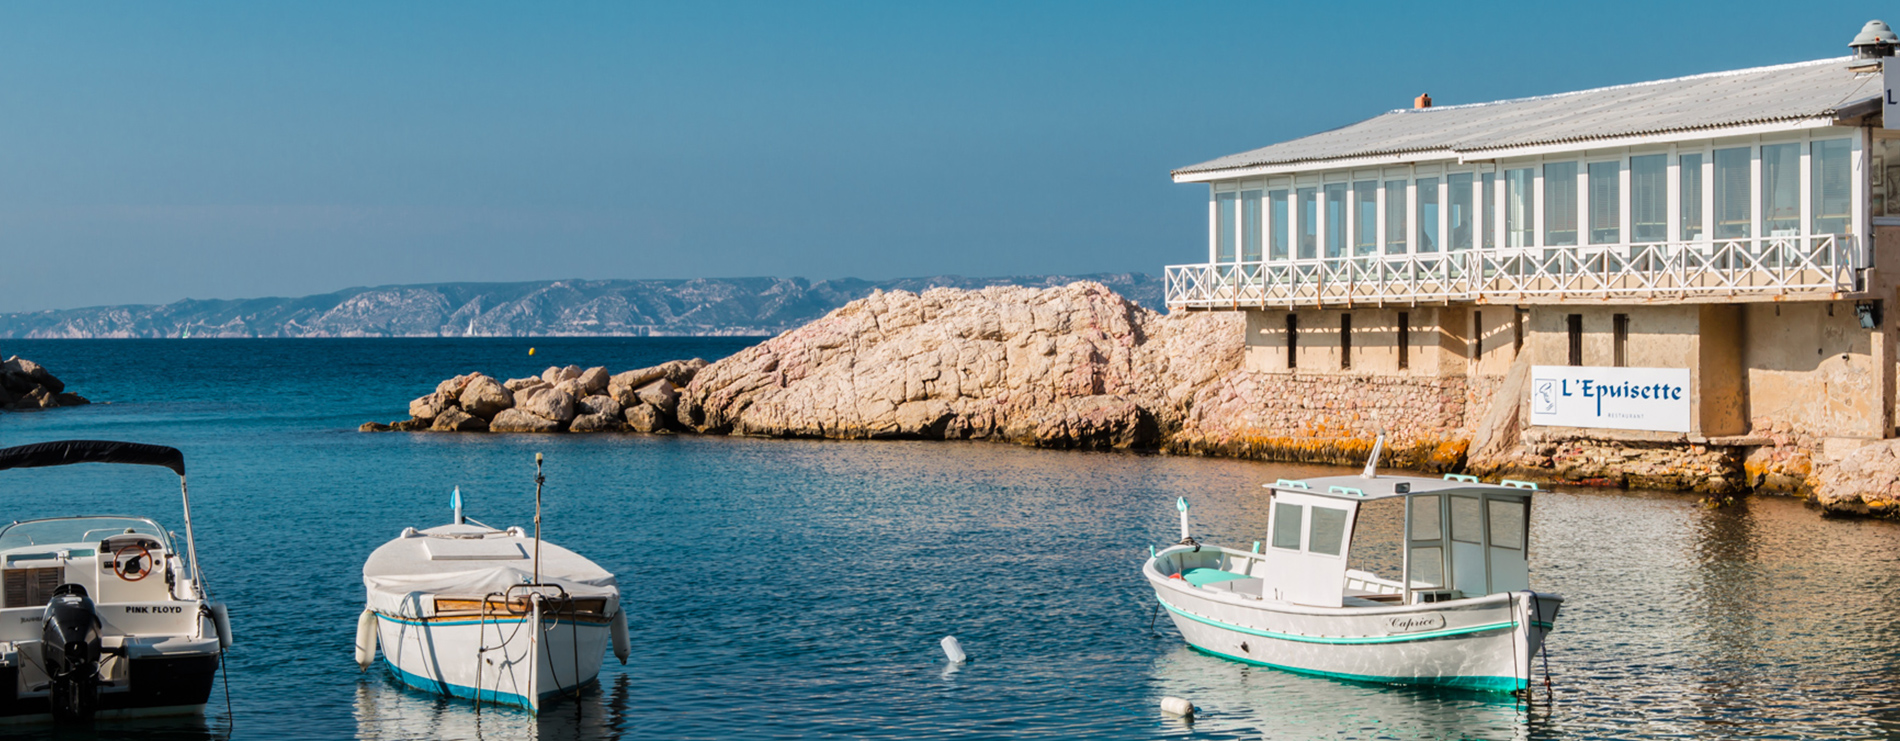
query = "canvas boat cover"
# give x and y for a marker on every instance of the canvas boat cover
(68, 452)
(404, 576)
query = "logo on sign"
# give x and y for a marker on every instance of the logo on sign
(1414, 623)
(1544, 396)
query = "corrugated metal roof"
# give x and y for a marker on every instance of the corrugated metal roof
(1751, 96)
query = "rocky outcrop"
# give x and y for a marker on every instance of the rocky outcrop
(1864, 482)
(570, 399)
(25, 384)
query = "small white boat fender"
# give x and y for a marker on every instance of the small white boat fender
(1177, 706)
(953, 650)
(221, 620)
(365, 639)
(622, 646)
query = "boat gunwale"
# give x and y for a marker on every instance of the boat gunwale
(1160, 580)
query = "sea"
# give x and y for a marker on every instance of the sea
(798, 589)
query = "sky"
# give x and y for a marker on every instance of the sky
(151, 152)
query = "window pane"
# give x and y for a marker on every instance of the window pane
(1734, 192)
(1831, 186)
(1517, 207)
(1365, 217)
(1781, 190)
(1250, 225)
(1224, 226)
(1277, 224)
(1690, 172)
(1489, 202)
(1606, 200)
(1428, 568)
(1425, 517)
(1560, 203)
(1328, 531)
(1286, 525)
(1335, 219)
(1395, 217)
(1427, 214)
(1460, 205)
(1649, 198)
(1465, 526)
(1309, 223)
(1507, 523)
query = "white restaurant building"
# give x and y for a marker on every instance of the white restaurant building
(1741, 226)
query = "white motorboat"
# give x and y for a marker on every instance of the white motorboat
(1461, 612)
(104, 616)
(497, 616)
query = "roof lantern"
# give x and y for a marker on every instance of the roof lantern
(1875, 40)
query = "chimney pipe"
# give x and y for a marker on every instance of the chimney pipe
(1424, 100)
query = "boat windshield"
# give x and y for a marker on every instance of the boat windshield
(64, 530)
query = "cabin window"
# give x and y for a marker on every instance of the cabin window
(1560, 204)
(1460, 213)
(1309, 223)
(1832, 190)
(1734, 190)
(1690, 177)
(1491, 223)
(1286, 525)
(1405, 340)
(1365, 217)
(1649, 198)
(1466, 525)
(1335, 219)
(1277, 226)
(1224, 236)
(1517, 208)
(1781, 190)
(1250, 226)
(1606, 200)
(1425, 517)
(1427, 215)
(1328, 531)
(1395, 217)
(1428, 568)
(1507, 524)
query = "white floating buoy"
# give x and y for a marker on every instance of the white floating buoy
(365, 639)
(1177, 706)
(622, 646)
(954, 650)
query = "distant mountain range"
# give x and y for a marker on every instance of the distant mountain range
(702, 306)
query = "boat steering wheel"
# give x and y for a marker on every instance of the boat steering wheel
(123, 566)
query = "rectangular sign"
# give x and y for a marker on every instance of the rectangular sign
(1612, 398)
(1890, 99)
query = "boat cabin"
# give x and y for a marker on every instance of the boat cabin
(1461, 539)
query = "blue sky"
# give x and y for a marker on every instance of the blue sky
(151, 152)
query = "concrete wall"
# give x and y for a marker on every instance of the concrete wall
(1810, 370)
(1436, 342)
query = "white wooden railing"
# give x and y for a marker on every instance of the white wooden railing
(1741, 268)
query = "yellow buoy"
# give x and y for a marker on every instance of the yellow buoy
(530, 351)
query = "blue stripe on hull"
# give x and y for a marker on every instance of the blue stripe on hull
(1487, 684)
(426, 684)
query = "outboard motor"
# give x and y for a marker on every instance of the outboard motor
(69, 645)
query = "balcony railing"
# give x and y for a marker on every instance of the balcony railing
(1741, 268)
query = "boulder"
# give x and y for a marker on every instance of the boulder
(373, 427)
(36, 399)
(454, 419)
(597, 404)
(623, 386)
(517, 384)
(1865, 482)
(427, 407)
(594, 380)
(33, 372)
(572, 387)
(451, 389)
(661, 394)
(597, 423)
(515, 420)
(547, 403)
(70, 399)
(643, 418)
(410, 425)
(552, 375)
(484, 397)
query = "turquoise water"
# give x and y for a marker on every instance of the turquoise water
(797, 589)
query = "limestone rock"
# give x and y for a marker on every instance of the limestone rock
(484, 397)
(661, 394)
(624, 386)
(410, 425)
(572, 387)
(429, 406)
(598, 422)
(516, 420)
(643, 418)
(373, 427)
(70, 399)
(547, 403)
(454, 419)
(517, 384)
(33, 372)
(451, 389)
(597, 404)
(593, 380)
(1866, 481)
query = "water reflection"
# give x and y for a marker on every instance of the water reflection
(388, 711)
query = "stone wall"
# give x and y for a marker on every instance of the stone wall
(1328, 419)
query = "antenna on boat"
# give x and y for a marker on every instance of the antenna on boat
(1372, 463)
(538, 479)
(455, 500)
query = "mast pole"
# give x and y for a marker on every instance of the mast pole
(191, 539)
(538, 480)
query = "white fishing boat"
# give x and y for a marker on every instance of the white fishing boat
(1460, 613)
(104, 616)
(496, 616)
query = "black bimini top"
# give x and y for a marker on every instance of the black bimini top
(68, 452)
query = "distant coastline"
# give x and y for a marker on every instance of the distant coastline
(703, 307)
